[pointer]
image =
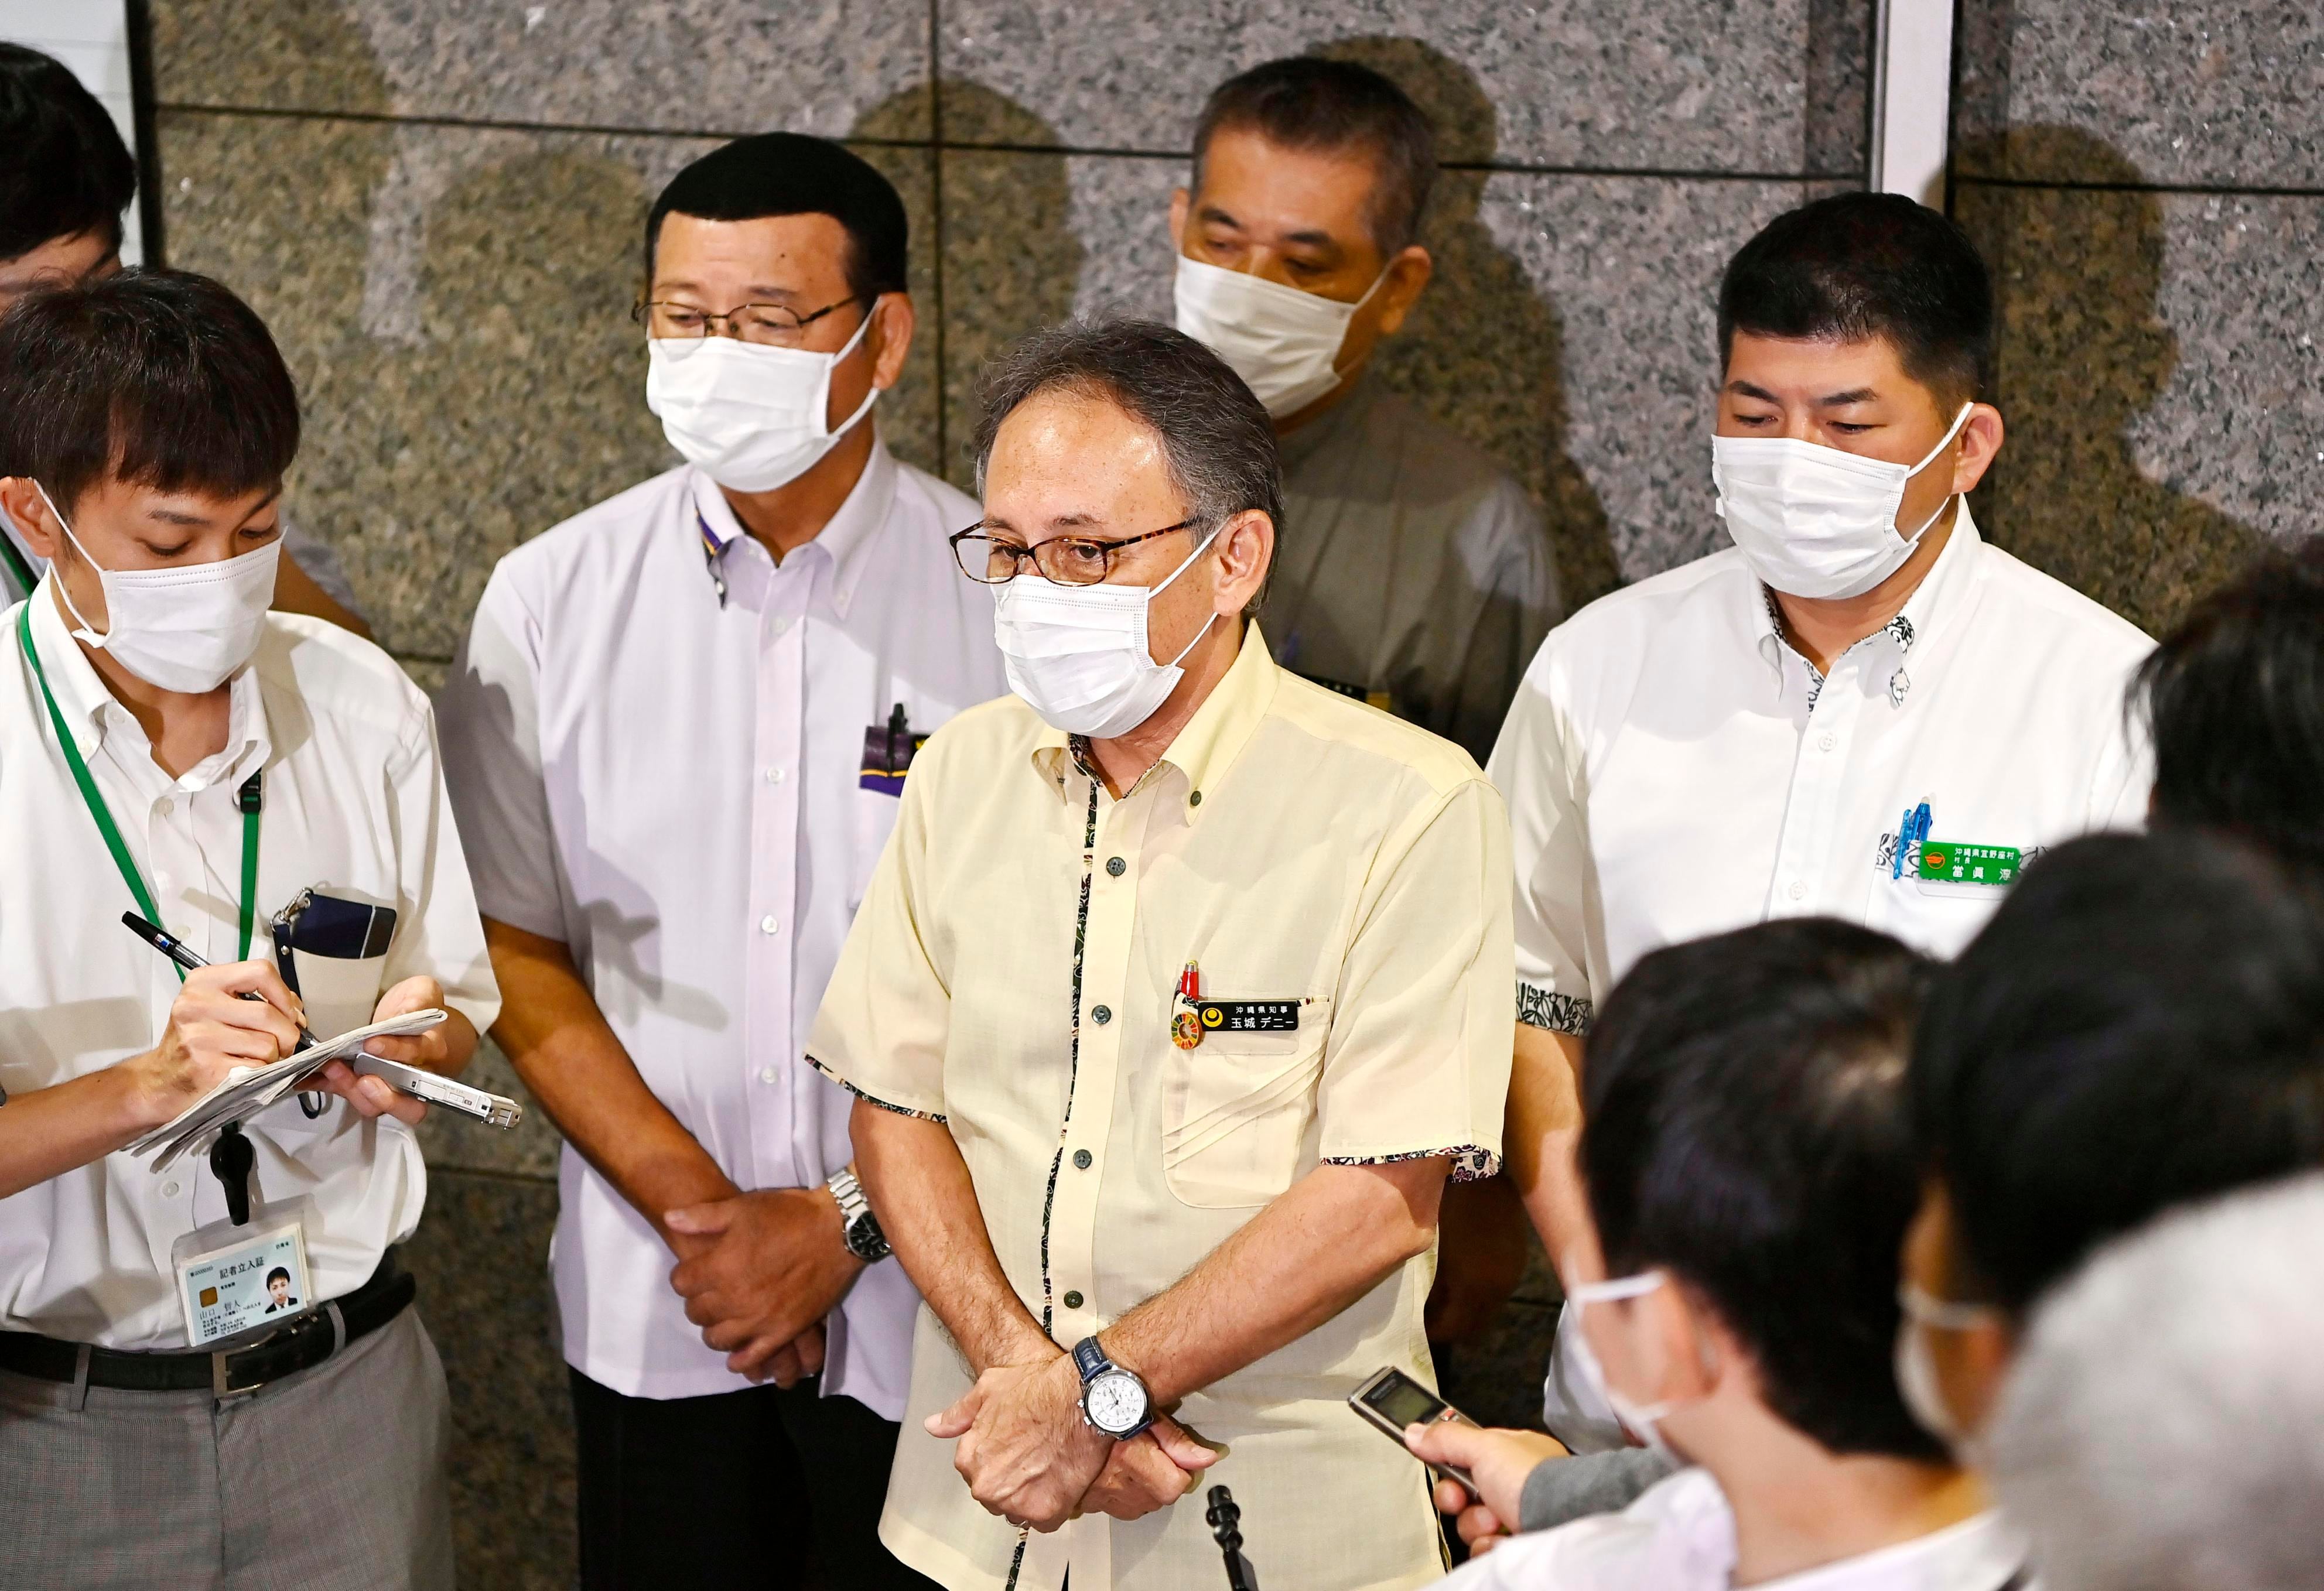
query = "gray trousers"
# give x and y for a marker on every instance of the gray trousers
(328, 1480)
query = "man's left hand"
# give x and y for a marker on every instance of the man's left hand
(1024, 1448)
(428, 1051)
(779, 1266)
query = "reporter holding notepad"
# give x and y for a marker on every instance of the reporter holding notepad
(169, 747)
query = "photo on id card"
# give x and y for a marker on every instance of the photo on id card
(243, 1282)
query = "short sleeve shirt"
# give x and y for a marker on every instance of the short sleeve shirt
(1337, 879)
(1674, 767)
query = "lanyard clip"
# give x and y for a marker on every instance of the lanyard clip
(252, 796)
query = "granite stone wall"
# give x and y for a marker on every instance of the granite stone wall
(2147, 176)
(436, 204)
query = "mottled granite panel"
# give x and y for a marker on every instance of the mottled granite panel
(687, 66)
(1571, 331)
(454, 303)
(1569, 328)
(2160, 372)
(454, 1142)
(2226, 92)
(1839, 131)
(1671, 84)
(481, 1257)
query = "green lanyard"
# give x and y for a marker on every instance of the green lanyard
(249, 797)
(18, 569)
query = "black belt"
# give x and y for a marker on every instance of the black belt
(298, 1345)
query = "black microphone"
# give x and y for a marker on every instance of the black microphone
(1225, 1520)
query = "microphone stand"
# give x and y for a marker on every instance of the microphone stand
(1225, 1520)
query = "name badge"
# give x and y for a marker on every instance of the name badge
(236, 1281)
(1952, 867)
(1250, 1016)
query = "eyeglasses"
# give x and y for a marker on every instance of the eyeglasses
(1065, 560)
(687, 327)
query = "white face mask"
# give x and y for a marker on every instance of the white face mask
(1916, 1366)
(1284, 344)
(1814, 521)
(750, 417)
(1642, 1421)
(1077, 654)
(184, 630)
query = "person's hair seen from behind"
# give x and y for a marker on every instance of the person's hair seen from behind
(2141, 1025)
(1748, 1166)
(2163, 1427)
(2233, 700)
(66, 181)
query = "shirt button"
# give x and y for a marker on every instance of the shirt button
(768, 924)
(766, 1074)
(163, 806)
(1081, 1160)
(1828, 740)
(1103, 1015)
(168, 1190)
(774, 776)
(1073, 1301)
(1116, 865)
(1195, 799)
(1798, 889)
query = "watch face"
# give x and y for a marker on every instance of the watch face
(1116, 1401)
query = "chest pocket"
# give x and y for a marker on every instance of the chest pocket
(1238, 1111)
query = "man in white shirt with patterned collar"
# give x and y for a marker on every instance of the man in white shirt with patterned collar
(169, 748)
(1862, 709)
(676, 736)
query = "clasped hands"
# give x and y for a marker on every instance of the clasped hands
(759, 1271)
(1028, 1456)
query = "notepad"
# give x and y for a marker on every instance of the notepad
(249, 1090)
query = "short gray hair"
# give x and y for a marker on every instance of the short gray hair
(1217, 441)
(2163, 1424)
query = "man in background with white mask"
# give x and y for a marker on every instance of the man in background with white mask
(1862, 709)
(1749, 1173)
(1171, 1009)
(1418, 575)
(169, 748)
(676, 735)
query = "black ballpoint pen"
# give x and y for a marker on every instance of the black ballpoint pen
(171, 946)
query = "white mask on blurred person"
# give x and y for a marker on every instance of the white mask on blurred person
(1916, 1366)
(1077, 655)
(1642, 1421)
(184, 629)
(750, 417)
(1284, 344)
(1814, 521)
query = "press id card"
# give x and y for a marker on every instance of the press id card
(239, 1281)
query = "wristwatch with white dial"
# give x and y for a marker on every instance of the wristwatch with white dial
(861, 1228)
(1114, 1401)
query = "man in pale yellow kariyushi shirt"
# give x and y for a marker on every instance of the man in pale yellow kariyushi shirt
(1178, 996)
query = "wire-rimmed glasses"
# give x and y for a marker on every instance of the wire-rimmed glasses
(1065, 560)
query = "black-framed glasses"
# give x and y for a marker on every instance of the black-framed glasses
(687, 326)
(1066, 560)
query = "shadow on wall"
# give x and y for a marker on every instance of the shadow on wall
(454, 301)
(1484, 350)
(1010, 258)
(2083, 352)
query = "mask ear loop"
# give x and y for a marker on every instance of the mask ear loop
(84, 633)
(1181, 569)
(870, 397)
(1943, 442)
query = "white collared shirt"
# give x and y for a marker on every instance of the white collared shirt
(1680, 1536)
(671, 784)
(354, 805)
(1674, 768)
